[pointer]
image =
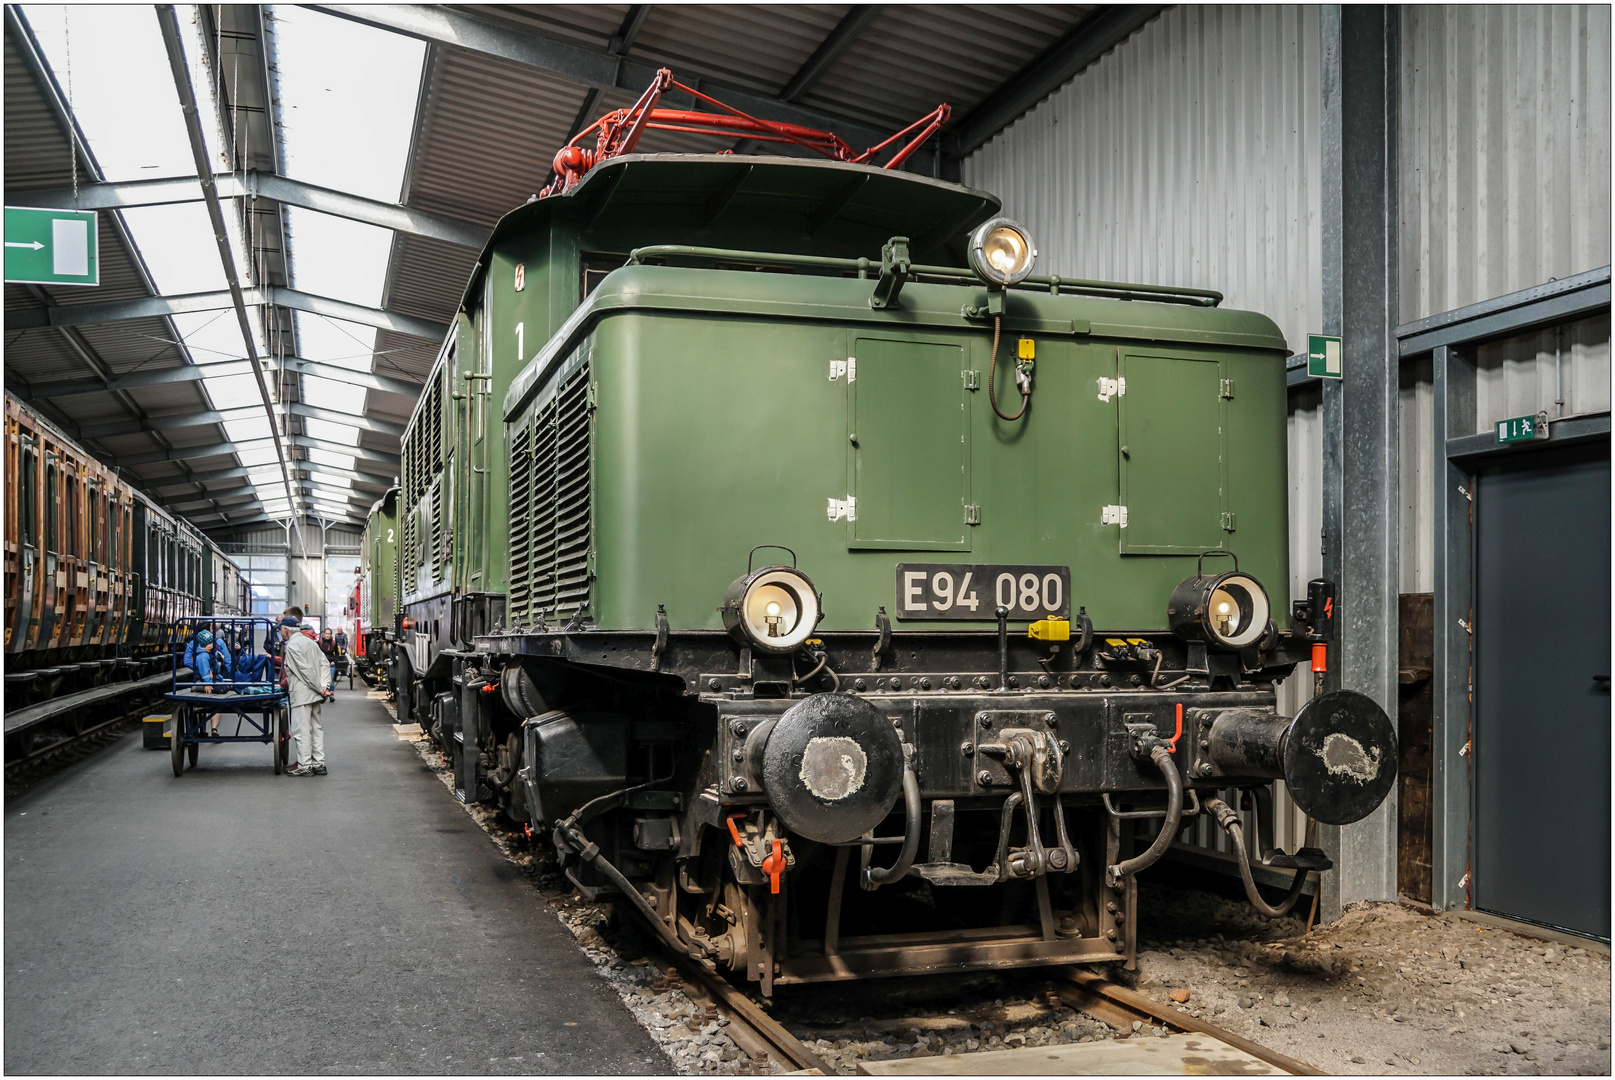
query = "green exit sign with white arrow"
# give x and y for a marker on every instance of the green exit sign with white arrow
(52, 247)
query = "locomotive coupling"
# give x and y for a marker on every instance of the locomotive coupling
(1337, 756)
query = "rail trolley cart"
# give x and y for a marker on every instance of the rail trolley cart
(258, 703)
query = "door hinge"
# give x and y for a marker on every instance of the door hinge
(847, 367)
(972, 379)
(1109, 388)
(843, 508)
(1465, 493)
(1225, 389)
(1113, 515)
(972, 514)
(592, 396)
(1228, 523)
(1465, 626)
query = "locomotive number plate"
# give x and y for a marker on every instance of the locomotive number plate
(973, 590)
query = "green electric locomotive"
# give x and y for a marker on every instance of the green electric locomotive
(375, 603)
(840, 595)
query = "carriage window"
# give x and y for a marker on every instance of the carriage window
(51, 503)
(26, 491)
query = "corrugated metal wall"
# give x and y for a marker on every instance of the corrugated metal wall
(1187, 156)
(1505, 184)
(1505, 150)
(1190, 155)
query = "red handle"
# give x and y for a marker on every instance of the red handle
(1172, 745)
(773, 866)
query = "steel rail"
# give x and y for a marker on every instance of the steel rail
(168, 22)
(765, 1033)
(1105, 1001)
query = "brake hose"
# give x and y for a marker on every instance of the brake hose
(1236, 834)
(992, 375)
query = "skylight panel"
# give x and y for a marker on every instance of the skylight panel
(345, 125)
(329, 479)
(215, 336)
(337, 396)
(329, 432)
(332, 459)
(258, 455)
(335, 341)
(232, 391)
(246, 430)
(335, 257)
(177, 244)
(119, 85)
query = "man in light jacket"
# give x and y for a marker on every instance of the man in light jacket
(308, 684)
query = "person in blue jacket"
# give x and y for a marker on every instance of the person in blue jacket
(209, 659)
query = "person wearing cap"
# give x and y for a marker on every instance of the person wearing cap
(308, 685)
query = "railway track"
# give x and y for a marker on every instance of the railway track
(762, 1036)
(750, 1026)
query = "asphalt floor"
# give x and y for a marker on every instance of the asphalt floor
(234, 921)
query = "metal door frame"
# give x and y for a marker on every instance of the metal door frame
(1458, 453)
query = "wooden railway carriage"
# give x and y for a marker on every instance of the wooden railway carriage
(93, 569)
(772, 540)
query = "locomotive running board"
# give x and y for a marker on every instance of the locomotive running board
(930, 954)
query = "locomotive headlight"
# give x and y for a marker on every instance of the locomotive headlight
(774, 609)
(1001, 251)
(1227, 610)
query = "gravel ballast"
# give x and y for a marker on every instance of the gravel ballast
(1386, 990)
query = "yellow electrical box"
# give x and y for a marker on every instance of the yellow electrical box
(1049, 629)
(1028, 349)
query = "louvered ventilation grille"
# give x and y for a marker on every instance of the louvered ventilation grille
(521, 489)
(552, 518)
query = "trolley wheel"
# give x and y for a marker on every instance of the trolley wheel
(191, 751)
(176, 743)
(282, 741)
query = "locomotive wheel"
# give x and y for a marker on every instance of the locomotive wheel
(176, 744)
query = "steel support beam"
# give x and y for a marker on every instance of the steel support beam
(151, 307)
(585, 66)
(1361, 425)
(257, 185)
(1092, 38)
(170, 421)
(361, 453)
(387, 384)
(41, 391)
(168, 24)
(363, 423)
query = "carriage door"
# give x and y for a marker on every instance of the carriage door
(1171, 451)
(908, 427)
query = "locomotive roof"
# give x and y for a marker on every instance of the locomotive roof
(825, 207)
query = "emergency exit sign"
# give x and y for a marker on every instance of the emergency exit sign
(52, 247)
(1323, 356)
(1520, 428)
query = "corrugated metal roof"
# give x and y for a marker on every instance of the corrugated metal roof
(912, 58)
(486, 133)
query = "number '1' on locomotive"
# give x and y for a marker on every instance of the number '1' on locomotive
(838, 593)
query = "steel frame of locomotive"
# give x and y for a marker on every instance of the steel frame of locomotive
(96, 574)
(576, 600)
